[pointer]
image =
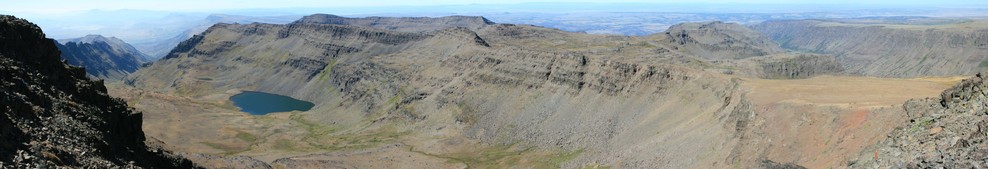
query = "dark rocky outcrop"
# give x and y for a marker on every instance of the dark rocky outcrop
(769, 164)
(104, 58)
(798, 66)
(52, 115)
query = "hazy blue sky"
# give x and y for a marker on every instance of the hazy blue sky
(68, 6)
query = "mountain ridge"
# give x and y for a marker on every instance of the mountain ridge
(104, 58)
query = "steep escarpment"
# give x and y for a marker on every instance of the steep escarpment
(798, 66)
(718, 40)
(53, 116)
(104, 58)
(889, 49)
(944, 132)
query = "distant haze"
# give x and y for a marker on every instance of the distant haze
(154, 26)
(68, 6)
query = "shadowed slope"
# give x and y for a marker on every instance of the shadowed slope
(104, 58)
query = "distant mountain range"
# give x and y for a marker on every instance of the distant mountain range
(156, 32)
(102, 57)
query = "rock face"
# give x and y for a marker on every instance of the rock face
(102, 57)
(798, 66)
(53, 115)
(889, 49)
(718, 40)
(945, 132)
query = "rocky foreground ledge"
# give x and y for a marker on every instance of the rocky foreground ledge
(51, 115)
(946, 132)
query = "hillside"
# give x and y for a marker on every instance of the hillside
(887, 47)
(102, 57)
(502, 95)
(54, 116)
(451, 84)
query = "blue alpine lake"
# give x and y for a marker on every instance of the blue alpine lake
(260, 103)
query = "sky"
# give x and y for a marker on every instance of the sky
(54, 7)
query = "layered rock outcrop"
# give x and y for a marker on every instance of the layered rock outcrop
(798, 66)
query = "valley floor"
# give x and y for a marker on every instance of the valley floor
(819, 122)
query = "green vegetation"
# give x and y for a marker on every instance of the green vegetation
(557, 160)
(329, 69)
(227, 149)
(920, 124)
(507, 156)
(595, 166)
(324, 137)
(283, 144)
(467, 113)
(249, 138)
(983, 64)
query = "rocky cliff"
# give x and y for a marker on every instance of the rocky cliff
(889, 49)
(102, 57)
(945, 132)
(53, 116)
(798, 66)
